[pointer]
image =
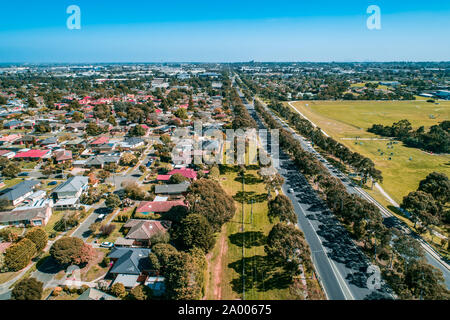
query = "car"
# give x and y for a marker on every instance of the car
(107, 245)
(24, 174)
(53, 183)
(101, 217)
(291, 190)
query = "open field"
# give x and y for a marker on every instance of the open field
(350, 119)
(261, 280)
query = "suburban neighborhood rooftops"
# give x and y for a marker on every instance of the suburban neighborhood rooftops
(94, 294)
(23, 215)
(130, 260)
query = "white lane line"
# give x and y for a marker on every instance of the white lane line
(347, 293)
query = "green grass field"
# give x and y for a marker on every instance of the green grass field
(350, 119)
(262, 281)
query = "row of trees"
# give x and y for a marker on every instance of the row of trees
(362, 165)
(406, 269)
(437, 139)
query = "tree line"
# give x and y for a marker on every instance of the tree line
(436, 139)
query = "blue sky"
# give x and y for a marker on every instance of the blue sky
(224, 31)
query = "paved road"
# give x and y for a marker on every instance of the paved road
(340, 264)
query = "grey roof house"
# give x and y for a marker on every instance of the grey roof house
(131, 265)
(172, 189)
(19, 192)
(72, 188)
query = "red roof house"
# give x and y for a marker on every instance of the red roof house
(99, 141)
(147, 207)
(33, 154)
(187, 173)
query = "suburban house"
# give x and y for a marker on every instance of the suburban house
(172, 189)
(61, 156)
(34, 217)
(68, 193)
(13, 124)
(10, 139)
(142, 230)
(131, 266)
(131, 143)
(49, 141)
(18, 193)
(100, 161)
(7, 154)
(190, 174)
(159, 207)
(33, 155)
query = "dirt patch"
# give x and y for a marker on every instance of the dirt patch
(217, 269)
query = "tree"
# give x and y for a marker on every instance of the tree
(281, 207)
(77, 116)
(70, 250)
(177, 178)
(27, 289)
(438, 185)
(137, 131)
(11, 171)
(4, 204)
(194, 231)
(103, 175)
(185, 275)
(214, 173)
(107, 229)
(164, 252)
(8, 235)
(128, 159)
(286, 244)
(426, 282)
(113, 201)
(207, 198)
(154, 262)
(141, 292)
(94, 227)
(39, 237)
(118, 290)
(181, 113)
(422, 206)
(19, 255)
(92, 129)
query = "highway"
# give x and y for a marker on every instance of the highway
(341, 267)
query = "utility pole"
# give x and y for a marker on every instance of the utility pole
(243, 238)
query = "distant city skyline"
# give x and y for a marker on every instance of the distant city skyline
(211, 31)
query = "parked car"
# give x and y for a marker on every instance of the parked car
(53, 183)
(107, 245)
(24, 174)
(101, 217)
(291, 190)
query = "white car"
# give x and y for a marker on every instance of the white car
(107, 245)
(291, 190)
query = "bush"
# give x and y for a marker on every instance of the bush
(38, 236)
(19, 255)
(107, 229)
(27, 289)
(118, 290)
(70, 250)
(141, 292)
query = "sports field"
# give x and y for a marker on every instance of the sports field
(402, 167)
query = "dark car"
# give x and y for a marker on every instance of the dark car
(53, 183)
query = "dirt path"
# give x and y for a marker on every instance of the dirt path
(218, 267)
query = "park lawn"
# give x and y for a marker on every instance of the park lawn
(351, 119)
(363, 114)
(255, 233)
